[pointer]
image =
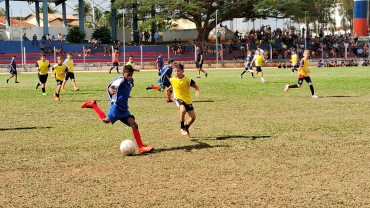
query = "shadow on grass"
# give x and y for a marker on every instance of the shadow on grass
(24, 128)
(236, 136)
(163, 97)
(203, 101)
(340, 96)
(188, 148)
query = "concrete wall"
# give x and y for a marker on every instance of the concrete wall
(184, 35)
(16, 33)
(127, 34)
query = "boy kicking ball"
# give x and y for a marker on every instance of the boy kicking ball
(303, 74)
(181, 86)
(118, 93)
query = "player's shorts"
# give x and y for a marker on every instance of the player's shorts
(197, 65)
(115, 63)
(307, 79)
(43, 78)
(116, 113)
(13, 71)
(179, 102)
(294, 64)
(163, 86)
(69, 75)
(59, 82)
(258, 69)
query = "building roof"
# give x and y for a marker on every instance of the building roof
(52, 17)
(15, 22)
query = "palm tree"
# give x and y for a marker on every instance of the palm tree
(50, 10)
(86, 7)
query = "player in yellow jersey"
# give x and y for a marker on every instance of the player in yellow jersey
(70, 75)
(303, 74)
(182, 96)
(294, 61)
(59, 72)
(43, 67)
(131, 62)
(258, 61)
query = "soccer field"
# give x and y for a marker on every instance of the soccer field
(252, 144)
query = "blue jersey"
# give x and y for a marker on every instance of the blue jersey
(123, 89)
(163, 79)
(319, 64)
(160, 62)
(248, 61)
(12, 63)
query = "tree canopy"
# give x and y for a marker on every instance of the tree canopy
(203, 13)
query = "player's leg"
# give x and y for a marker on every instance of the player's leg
(16, 77)
(72, 76)
(245, 70)
(11, 76)
(57, 91)
(92, 104)
(169, 94)
(117, 68)
(191, 119)
(202, 70)
(135, 130)
(300, 81)
(308, 80)
(66, 77)
(182, 120)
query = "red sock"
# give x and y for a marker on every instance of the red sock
(137, 137)
(168, 98)
(98, 111)
(155, 88)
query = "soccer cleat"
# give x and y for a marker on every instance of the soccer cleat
(184, 132)
(315, 96)
(287, 88)
(198, 76)
(7, 80)
(145, 149)
(206, 74)
(16, 82)
(44, 93)
(149, 87)
(63, 89)
(292, 73)
(37, 85)
(77, 89)
(88, 104)
(241, 76)
(56, 97)
(169, 101)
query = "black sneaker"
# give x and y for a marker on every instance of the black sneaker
(7, 80)
(16, 82)
(149, 87)
(206, 74)
(169, 101)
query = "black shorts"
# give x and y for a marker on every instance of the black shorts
(258, 69)
(70, 75)
(13, 72)
(249, 67)
(115, 63)
(179, 102)
(197, 65)
(307, 79)
(43, 78)
(59, 82)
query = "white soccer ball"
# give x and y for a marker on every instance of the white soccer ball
(127, 147)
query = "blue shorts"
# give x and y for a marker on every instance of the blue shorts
(116, 113)
(307, 79)
(115, 63)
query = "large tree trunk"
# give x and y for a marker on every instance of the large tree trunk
(203, 34)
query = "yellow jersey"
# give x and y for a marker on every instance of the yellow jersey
(57, 69)
(43, 67)
(294, 58)
(69, 64)
(303, 65)
(181, 89)
(131, 64)
(259, 60)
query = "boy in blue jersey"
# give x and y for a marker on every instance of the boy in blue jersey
(319, 64)
(247, 64)
(13, 70)
(118, 93)
(159, 64)
(164, 80)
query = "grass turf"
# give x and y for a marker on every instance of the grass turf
(252, 144)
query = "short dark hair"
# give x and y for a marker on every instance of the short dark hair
(43, 55)
(14, 56)
(69, 53)
(178, 65)
(128, 68)
(130, 56)
(171, 60)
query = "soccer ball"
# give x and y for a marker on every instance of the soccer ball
(127, 147)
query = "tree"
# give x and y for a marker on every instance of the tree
(103, 33)
(86, 8)
(74, 35)
(203, 13)
(346, 11)
(50, 9)
(2, 12)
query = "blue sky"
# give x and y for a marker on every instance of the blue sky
(17, 6)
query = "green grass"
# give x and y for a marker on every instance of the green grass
(252, 144)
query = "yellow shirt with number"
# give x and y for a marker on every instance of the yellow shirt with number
(303, 65)
(58, 69)
(294, 58)
(181, 89)
(43, 67)
(69, 64)
(259, 60)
